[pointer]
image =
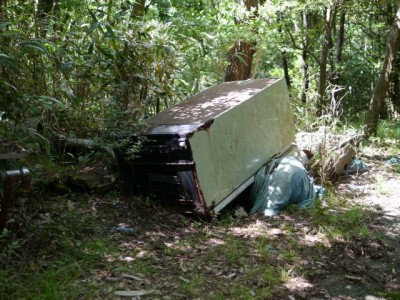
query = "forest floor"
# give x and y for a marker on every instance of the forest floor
(107, 246)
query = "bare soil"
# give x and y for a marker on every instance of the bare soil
(238, 258)
(362, 266)
(347, 251)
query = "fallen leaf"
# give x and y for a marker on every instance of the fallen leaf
(138, 277)
(230, 276)
(355, 278)
(132, 277)
(184, 279)
(111, 278)
(70, 205)
(132, 293)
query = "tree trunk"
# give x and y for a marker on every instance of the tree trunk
(327, 44)
(3, 4)
(285, 63)
(382, 85)
(240, 56)
(337, 93)
(251, 4)
(340, 39)
(394, 85)
(394, 89)
(286, 69)
(138, 9)
(304, 56)
(44, 7)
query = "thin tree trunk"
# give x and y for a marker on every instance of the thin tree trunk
(340, 40)
(335, 74)
(286, 69)
(304, 56)
(395, 86)
(3, 4)
(44, 7)
(285, 63)
(327, 43)
(382, 85)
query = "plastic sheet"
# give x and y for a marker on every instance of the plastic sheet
(281, 183)
(357, 166)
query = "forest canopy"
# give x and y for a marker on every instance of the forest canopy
(78, 78)
(97, 68)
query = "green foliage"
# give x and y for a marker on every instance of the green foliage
(389, 130)
(87, 64)
(78, 75)
(8, 248)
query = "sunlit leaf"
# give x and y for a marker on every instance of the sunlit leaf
(132, 293)
(92, 28)
(110, 32)
(34, 45)
(4, 25)
(7, 61)
(68, 91)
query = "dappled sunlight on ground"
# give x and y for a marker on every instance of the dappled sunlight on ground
(346, 249)
(298, 284)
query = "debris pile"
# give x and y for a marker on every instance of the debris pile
(329, 154)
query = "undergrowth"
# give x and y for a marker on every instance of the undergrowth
(68, 249)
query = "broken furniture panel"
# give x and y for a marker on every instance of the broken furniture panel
(200, 154)
(14, 188)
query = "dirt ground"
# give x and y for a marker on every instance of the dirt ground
(365, 263)
(289, 256)
(128, 248)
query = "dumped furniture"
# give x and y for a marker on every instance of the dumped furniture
(15, 184)
(203, 152)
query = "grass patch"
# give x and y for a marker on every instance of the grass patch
(32, 280)
(340, 218)
(68, 250)
(58, 250)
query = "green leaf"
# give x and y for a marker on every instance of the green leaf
(33, 44)
(90, 50)
(110, 32)
(93, 16)
(4, 25)
(45, 141)
(7, 61)
(68, 91)
(49, 101)
(92, 28)
(65, 66)
(4, 56)
(105, 52)
(209, 36)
